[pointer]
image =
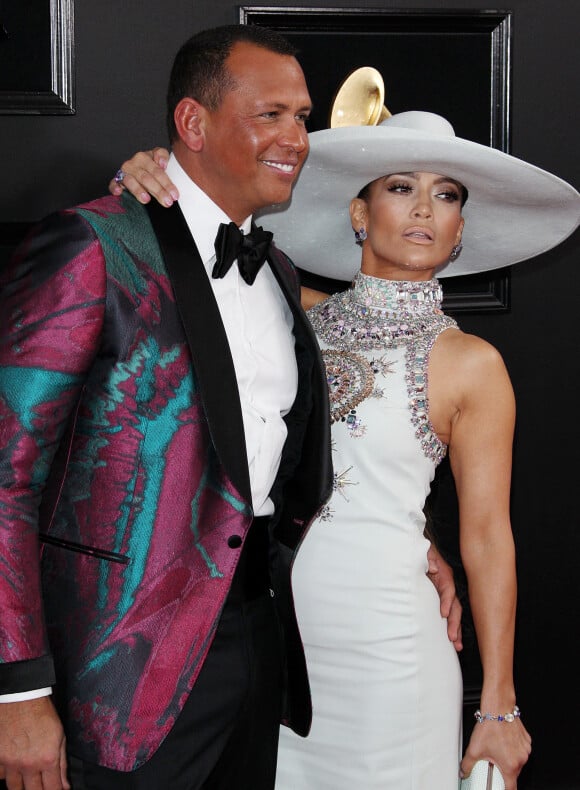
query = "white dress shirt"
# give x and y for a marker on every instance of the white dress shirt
(258, 325)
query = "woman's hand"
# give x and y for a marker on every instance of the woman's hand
(144, 175)
(506, 744)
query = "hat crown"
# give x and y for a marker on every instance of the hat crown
(420, 121)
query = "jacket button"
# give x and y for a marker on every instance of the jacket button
(234, 541)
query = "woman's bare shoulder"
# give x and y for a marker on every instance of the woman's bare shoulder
(468, 351)
(466, 368)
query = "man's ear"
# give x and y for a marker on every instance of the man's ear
(358, 213)
(189, 120)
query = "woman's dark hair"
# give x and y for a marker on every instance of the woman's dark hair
(365, 193)
(199, 71)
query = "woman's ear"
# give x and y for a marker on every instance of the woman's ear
(189, 120)
(358, 213)
(460, 231)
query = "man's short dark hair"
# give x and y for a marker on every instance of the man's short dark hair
(199, 71)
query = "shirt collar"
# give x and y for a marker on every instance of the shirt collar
(202, 215)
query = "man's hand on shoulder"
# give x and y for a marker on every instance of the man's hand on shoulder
(32, 746)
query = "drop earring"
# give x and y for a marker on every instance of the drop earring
(360, 235)
(456, 252)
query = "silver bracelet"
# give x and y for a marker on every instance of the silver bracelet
(509, 717)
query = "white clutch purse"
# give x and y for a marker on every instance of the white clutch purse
(484, 776)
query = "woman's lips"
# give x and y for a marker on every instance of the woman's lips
(419, 234)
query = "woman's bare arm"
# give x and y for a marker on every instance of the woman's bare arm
(480, 451)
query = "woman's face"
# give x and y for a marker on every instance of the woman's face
(412, 220)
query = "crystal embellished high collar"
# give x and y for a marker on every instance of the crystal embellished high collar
(376, 313)
(394, 295)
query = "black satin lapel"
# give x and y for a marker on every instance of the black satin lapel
(293, 300)
(312, 478)
(204, 329)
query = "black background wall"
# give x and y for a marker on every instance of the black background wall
(123, 54)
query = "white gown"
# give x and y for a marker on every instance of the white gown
(385, 680)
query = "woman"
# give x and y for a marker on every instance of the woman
(407, 386)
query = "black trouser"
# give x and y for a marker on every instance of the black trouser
(226, 737)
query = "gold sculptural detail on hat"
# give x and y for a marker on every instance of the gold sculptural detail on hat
(360, 100)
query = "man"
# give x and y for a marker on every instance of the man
(160, 428)
(164, 434)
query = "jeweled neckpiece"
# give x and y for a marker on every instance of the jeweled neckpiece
(376, 314)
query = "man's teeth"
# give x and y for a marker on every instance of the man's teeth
(280, 166)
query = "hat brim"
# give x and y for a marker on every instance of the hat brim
(515, 210)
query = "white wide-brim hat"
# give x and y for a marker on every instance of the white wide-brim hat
(514, 212)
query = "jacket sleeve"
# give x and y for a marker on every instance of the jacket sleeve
(52, 298)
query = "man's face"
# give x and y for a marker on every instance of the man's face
(255, 143)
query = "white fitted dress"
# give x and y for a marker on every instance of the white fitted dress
(385, 680)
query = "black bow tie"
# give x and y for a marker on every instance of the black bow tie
(250, 251)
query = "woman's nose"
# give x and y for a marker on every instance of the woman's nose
(422, 208)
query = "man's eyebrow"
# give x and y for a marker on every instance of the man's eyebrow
(283, 106)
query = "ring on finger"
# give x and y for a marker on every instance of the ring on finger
(119, 176)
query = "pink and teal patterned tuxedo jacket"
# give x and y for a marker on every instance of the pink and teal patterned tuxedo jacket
(123, 473)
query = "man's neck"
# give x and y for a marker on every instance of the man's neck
(190, 164)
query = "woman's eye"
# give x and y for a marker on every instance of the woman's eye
(405, 188)
(450, 195)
